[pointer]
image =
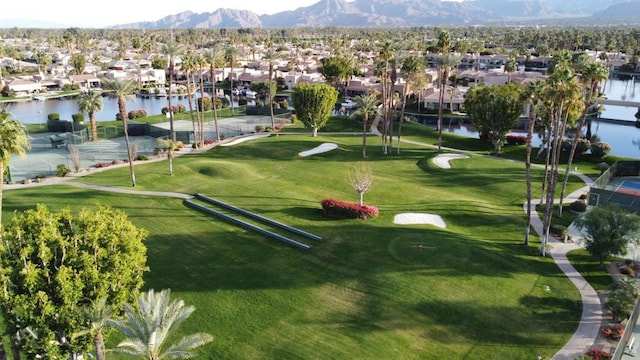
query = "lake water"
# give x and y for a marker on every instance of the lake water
(621, 137)
(31, 112)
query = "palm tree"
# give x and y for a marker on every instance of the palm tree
(148, 326)
(213, 57)
(171, 50)
(231, 54)
(189, 67)
(123, 89)
(270, 56)
(91, 102)
(591, 75)
(367, 105)
(533, 92)
(413, 72)
(13, 140)
(96, 317)
(444, 63)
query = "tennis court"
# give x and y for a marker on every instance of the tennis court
(628, 187)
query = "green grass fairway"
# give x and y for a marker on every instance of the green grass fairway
(367, 291)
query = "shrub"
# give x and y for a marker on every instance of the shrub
(53, 117)
(259, 128)
(559, 230)
(597, 354)
(578, 206)
(628, 270)
(62, 170)
(600, 149)
(176, 109)
(136, 114)
(613, 332)
(142, 157)
(584, 197)
(70, 87)
(243, 101)
(516, 139)
(348, 210)
(77, 117)
(284, 104)
(102, 165)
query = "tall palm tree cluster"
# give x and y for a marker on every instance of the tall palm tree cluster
(559, 106)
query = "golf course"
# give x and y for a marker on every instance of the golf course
(369, 289)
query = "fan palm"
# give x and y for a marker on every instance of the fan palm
(13, 140)
(91, 102)
(270, 56)
(444, 63)
(231, 54)
(148, 326)
(123, 89)
(213, 57)
(96, 316)
(367, 105)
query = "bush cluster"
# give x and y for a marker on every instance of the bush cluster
(597, 354)
(348, 210)
(600, 149)
(559, 230)
(62, 170)
(77, 117)
(578, 206)
(136, 114)
(176, 109)
(614, 332)
(53, 117)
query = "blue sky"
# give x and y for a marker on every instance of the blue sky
(113, 12)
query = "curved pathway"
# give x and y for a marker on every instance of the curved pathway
(591, 320)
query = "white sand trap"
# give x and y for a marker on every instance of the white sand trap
(319, 149)
(419, 218)
(245, 138)
(443, 160)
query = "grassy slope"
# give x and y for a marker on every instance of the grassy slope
(364, 292)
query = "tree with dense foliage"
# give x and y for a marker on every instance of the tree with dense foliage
(608, 230)
(494, 110)
(622, 297)
(78, 63)
(123, 89)
(336, 70)
(313, 104)
(13, 140)
(367, 106)
(91, 102)
(54, 264)
(150, 324)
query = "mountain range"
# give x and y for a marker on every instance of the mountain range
(389, 13)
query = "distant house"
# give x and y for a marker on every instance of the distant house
(23, 86)
(86, 81)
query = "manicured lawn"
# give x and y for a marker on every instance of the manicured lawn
(367, 291)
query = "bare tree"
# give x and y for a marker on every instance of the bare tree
(361, 180)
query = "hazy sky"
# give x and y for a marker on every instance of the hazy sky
(90, 13)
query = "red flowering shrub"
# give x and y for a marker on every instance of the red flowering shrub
(613, 332)
(348, 210)
(209, 141)
(597, 354)
(516, 139)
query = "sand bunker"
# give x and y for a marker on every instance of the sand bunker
(419, 218)
(443, 160)
(243, 139)
(319, 149)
